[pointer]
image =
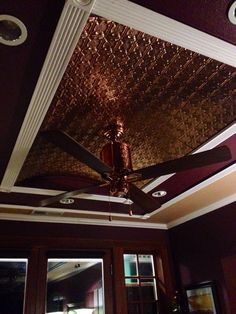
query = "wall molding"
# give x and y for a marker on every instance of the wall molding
(82, 221)
(60, 211)
(94, 197)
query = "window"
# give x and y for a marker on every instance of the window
(140, 283)
(75, 286)
(12, 285)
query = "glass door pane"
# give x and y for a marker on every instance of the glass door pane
(140, 283)
(12, 285)
(75, 286)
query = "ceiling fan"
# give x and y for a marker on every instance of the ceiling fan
(115, 166)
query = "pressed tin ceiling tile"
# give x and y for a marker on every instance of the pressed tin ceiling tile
(170, 99)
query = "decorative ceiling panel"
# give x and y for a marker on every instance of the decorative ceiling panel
(170, 99)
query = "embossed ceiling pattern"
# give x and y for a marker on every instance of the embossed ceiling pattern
(171, 99)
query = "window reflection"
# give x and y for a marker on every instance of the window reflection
(12, 285)
(75, 286)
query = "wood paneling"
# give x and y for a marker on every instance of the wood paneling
(44, 240)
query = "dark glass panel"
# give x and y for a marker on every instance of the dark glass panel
(148, 289)
(146, 265)
(12, 285)
(134, 308)
(132, 289)
(150, 308)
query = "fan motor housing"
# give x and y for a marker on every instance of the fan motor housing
(117, 156)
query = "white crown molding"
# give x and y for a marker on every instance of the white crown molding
(211, 143)
(60, 211)
(82, 221)
(71, 23)
(155, 24)
(196, 188)
(94, 197)
(205, 210)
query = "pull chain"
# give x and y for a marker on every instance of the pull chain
(130, 207)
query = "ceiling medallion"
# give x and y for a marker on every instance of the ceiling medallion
(12, 31)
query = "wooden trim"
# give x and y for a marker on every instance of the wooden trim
(74, 242)
(36, 295)
(108, 284)
(118, 279)
(41, 282)
(31, 283)
(114, 288)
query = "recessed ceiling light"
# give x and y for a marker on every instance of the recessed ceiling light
(12, 31)
(84, 2)
(67, 201)
(159, 193)
(232, 13)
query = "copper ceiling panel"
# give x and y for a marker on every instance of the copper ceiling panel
(170, 99)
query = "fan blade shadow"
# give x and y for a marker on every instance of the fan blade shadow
(57, 198)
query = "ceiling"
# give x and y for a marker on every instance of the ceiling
(173, 87)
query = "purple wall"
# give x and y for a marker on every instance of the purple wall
(200, 248)
(208, 16)
(54, 230)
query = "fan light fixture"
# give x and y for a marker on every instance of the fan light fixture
(116, 171)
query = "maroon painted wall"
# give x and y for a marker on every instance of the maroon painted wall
(51, 230)
(208, 16)
(202, 249)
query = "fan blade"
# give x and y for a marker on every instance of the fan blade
(142, 199)
(57, 198)
(69, 145)
(202, 159)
